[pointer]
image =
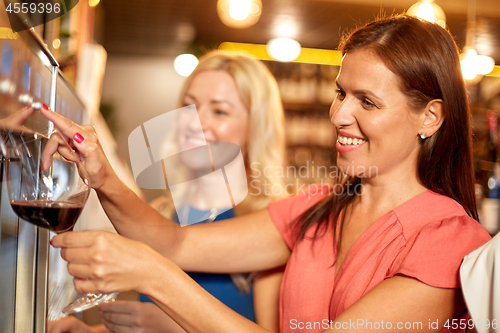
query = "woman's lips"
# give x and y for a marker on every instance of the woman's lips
(346, 140)
(346, 144)
(196, 141)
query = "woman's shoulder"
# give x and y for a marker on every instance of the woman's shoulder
(434, 221)
(432, 208)
(437, 234)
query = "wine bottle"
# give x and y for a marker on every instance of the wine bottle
(490, 205)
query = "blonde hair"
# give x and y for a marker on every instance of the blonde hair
(258, 90)
(259, 93)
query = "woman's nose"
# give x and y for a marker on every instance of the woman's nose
(203, 117)
(341, 113)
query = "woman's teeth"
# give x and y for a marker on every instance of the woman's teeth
(350, 141)
(195, 141)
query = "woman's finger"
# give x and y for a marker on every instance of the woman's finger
(77, 238)
(58, 143)
(63, 124)
(118, 328)
(85, 286)
(82, 271)
(83, 139)
(117, 307)
(79, 255)
(67, 325)
(94, 165)
(118, 318)
(18, 117)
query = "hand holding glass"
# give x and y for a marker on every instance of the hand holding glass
(52, 198)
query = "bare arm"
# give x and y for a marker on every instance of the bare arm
(401, 301)
(72, 325)
(266, 292)
(248, 243)
(106, 262)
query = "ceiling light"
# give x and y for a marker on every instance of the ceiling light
(429, 11)
(239, 10)
(185, 64)
(283, 49)
(239, 13)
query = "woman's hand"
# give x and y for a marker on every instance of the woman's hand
(130, 316)
(104, 262)
(72, 325)
(78, 144)
(17, 118)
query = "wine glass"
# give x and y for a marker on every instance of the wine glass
(52, 198)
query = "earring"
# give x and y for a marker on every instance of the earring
(423, 136)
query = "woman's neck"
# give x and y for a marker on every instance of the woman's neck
(211, 191)
(380, 195)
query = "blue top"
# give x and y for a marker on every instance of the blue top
(220, 285)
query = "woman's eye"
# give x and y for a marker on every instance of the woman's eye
(367, 104)
(340, 94)
(220, 112)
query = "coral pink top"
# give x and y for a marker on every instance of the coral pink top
(425, 238)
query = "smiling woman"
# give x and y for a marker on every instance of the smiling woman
(390, 253)
(374, 114)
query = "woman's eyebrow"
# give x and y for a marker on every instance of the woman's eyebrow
(221, 101)
(360, 92)
(190, 96)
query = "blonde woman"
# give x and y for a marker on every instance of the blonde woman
(237, 101)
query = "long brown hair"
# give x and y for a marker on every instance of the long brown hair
(425, 58)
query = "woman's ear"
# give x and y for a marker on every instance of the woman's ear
(433, 118)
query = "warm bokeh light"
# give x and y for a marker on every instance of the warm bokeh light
(484, 64)
(93, 3)
(429, 11)
(473, 64)
(7, 33)
(286, 29)
(239, 9)
(239, 13)
(283, 49)
(56, 43)
(185, 64)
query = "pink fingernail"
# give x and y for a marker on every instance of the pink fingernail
(78, 138)
(41, 168)
(45, 106)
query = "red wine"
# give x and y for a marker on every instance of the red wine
(57, 216)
